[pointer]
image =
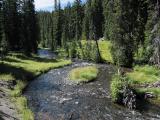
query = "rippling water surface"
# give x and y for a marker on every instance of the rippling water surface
(53, 97)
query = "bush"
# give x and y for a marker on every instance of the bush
(116, 88)
(122, 92)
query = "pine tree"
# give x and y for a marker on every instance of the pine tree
(66, 37)
(78, 11)
(123, 31)
(3, 42)
(57, 25)
(11, 23)
(86, 23)
(30, 27)
(97, 19)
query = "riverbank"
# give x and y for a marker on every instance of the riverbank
(144, 78)
(16, 70)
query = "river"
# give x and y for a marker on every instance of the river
(53, 97)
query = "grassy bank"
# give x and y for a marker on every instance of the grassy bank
(143, 79)
(83, 74)
(87, 50)
(20, 69)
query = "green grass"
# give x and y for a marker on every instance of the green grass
(6, 77)
(88, 50)
(156, 91)
(83, 74)
(105, 50)
(21, 103)
(144, 75)
(20, 68)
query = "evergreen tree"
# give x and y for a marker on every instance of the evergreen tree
(57, 26)
(66, 35)
(124, 23)
(30, 27)
(87, 19)
(97, 19)
(12, 23)
(78, 11)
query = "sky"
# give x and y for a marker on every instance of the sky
(49, 4)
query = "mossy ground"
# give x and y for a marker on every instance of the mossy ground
(83, 74)
(20, 68)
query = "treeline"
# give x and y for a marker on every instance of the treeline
(75, 22)
(19, 30)
(131, 25)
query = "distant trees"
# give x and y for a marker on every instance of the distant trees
(127, 24)
(78, 14)
(94, 19)
(57, 24)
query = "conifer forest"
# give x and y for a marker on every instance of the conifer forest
(80, 60)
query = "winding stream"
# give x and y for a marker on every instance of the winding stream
(53, 97)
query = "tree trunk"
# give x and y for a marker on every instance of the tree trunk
(99, 54)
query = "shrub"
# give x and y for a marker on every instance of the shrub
(116, 88)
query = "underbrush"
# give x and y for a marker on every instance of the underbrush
(87, 50)
(117, 87)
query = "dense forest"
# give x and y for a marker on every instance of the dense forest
(119, 34)
(19, 26)
(132, 27)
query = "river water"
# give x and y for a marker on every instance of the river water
(53, 97)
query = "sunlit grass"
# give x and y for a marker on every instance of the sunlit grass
(21, 104)
(35, 65)
(105, 50)
(20, 68)
(104, 47)
(6, 77)
(18, 88)
(83, 74)
(144, 74)
(155, 91)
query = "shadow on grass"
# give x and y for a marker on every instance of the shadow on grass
(34, 58)
(12, 60)
(18, 73)
(38, 59)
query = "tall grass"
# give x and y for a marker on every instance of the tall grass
(83, 74)
(20, 68)
(144, 75)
